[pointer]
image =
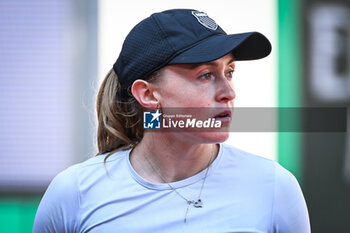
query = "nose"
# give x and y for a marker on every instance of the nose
(225, 90)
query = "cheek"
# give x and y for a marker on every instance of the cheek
(183, 98)
(184, 94)
(191, 99)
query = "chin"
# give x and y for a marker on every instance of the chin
(221, 137)
(213, 137)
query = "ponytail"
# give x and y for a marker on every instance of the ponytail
(119, 122)
(119, 119)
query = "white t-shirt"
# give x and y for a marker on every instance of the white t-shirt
(242, 193)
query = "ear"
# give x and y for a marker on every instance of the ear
(143, 93)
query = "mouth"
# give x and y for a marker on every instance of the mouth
(223, 116)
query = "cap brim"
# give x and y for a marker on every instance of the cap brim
(244, 46)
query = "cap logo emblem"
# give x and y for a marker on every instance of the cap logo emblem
(204, 19)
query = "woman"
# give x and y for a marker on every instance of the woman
(171, 180)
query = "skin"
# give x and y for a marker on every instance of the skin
(179, 155)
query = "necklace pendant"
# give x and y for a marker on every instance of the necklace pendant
(198, 203)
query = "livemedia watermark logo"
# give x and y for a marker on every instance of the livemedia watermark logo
(151, 120)
(244, 119)
(157, 120)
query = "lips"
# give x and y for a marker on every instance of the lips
(223, 116)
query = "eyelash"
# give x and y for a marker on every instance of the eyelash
(205, 76)
(231, 73)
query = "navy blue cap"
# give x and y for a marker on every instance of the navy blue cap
(181, 36)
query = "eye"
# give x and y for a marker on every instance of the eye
(206, 76)
(229, 74)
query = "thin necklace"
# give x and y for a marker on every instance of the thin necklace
(196, 204)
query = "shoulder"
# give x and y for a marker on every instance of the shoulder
(241, 154)
(59, 209)
(285, 178)
(287, 188)
(289, 210)
(81, 176)
(281, 176)
(244, 160)
(68, 182)
(73, 175)
(254, 168)
(93, 167)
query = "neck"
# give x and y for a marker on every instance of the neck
(170, 160)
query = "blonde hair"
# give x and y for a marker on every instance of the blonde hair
(119, 119)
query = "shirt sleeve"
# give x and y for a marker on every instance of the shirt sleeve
(289, 214)
(58, 211)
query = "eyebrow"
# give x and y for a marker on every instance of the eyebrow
(213, 63)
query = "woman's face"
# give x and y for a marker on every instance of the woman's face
(207, 87)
